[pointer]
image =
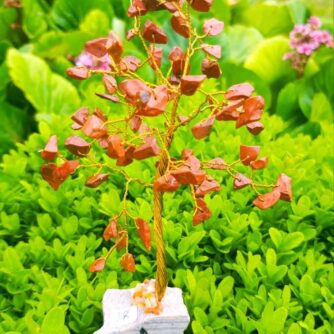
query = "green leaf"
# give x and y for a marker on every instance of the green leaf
(47, 92)
(268, 17)
(275, 236)
(321, 109)
(96, 23)
(291, 241)
(53, 322)
(287, 102)
(267, 61)
(238, 43)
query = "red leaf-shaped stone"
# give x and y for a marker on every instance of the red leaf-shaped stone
(217, 163)
(230, 112)
(248, 153)
(67, 168)
(211, 68)
(97, 265)
(152, 33)
(184, 175)
(50, 174)
(95, 180)
(50, 150)
(253, 109)
(112, 98)
(202, 212)
(111, 230)
(191, 161)
(206, 187)
(115, 147)
(121, 240)
(212, 50)
(241, 181)
(203, 128)
(213, 27)
(157, 102)
(259, 164)
(177, 57)
(267, 200)
(98, 113)
(157, 54)
(130, 63)
(166, 183)
(283, 185)
(128, 262)
(130, 34)
(109, 83)
(134, 91)
(238, 91)
(144, 232)
(149, 149)
(180, 25)
(201, 5)
(94, 128)
(137, 8)
(97, 47)
(255, 128)
(114, 46)
(127, 158)
(80, 116)
(77, 145)
(135, 123)
(190, 83)
(79, 73)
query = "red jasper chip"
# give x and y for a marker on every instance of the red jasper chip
(201, 5)
(211, 68)
(253, 109)
(98, 113)
(79, 73)
(80, 116)
(94, 128)
(97, 265)
(183, 119)
(112, 98)
(56, 175)
(138, 8)
(202, 212)
(152, 33)
(180, 25)
(149, 149)
(177, 57)
(157, 102)
(248, 153)
(50, 150)
(206, 187)
(213, 27)
(97, 47)
(259, 164)
(95, 180)
(104, 142)
(144, 232)
(130, 34)
(157, 54)
(166, 183)
(77, 146)
(192, 162)
(212, 50)
(115, 147)
(238, 91)
(130, 63)
(267, 200)
(128, 262)
(121, 240)
(190, 83)
(203, 128)
(135, 123)
(217, 163)
(283, 184)
(230, 112)
(255, 128)
(241, 181)
(109, 83)
(185, 175)
(111, 230)
(114, 46)
(133, 90)
(127, 158)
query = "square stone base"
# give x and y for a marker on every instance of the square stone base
(120, 316)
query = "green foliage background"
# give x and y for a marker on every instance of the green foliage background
(242, 271)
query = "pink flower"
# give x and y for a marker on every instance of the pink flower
(88, 60)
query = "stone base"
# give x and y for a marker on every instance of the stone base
(120, 316)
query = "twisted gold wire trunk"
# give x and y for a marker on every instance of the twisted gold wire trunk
(161, 275)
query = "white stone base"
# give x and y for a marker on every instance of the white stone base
(120, 316)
